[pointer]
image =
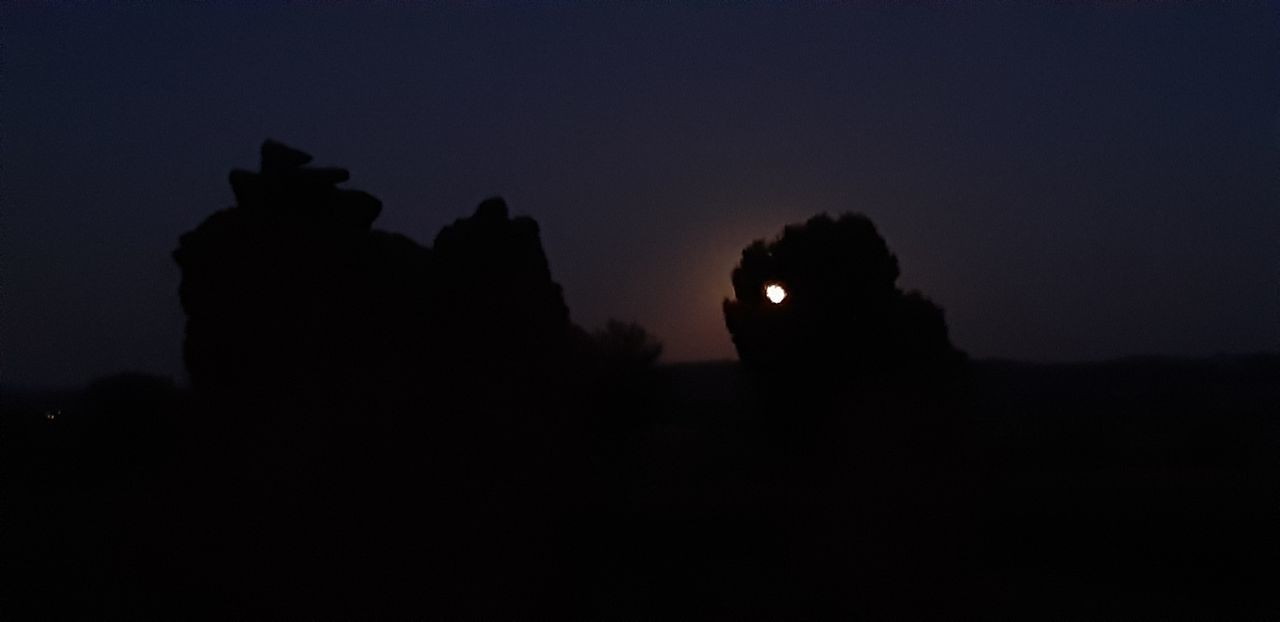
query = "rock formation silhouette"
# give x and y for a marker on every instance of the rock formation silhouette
(502, 316)
(345, 375)
(291, 285)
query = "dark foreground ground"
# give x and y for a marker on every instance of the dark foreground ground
(1145, 488)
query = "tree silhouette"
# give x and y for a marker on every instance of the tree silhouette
(843, 313)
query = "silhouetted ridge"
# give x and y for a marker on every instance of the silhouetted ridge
(383, 430)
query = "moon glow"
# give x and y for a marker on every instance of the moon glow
(775, 293)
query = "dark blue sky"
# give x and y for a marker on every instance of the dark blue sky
(1068, 182)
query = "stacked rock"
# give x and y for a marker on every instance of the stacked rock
(285, 183)
(257, 277)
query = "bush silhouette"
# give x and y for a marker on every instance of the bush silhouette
(626, 345)
(131, 422)
(623, 371)
(843, 313)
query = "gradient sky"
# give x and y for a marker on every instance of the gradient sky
(1068, 181)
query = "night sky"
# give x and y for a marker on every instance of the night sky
(1068, 182)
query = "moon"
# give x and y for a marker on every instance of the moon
(775, 293)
